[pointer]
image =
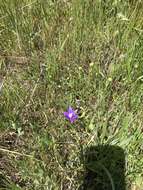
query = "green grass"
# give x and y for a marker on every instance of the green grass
(53, 54)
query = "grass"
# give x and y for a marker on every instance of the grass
(83, 53)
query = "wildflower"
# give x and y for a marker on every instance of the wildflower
(136, 66)
(110, 79)
(71, 115)
(91, 64)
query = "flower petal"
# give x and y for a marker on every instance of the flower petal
(70, 110)
(66, 114)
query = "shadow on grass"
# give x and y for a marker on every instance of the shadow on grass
(104, 168)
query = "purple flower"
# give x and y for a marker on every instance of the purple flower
(71, 115)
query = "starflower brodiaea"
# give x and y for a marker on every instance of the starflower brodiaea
(71, 115)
